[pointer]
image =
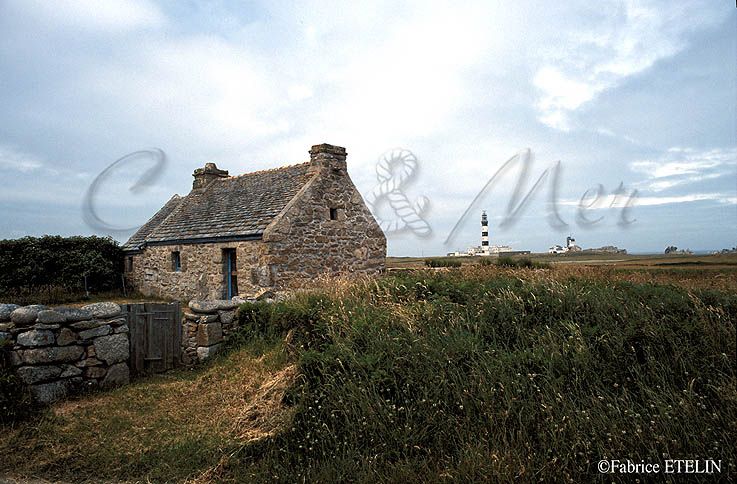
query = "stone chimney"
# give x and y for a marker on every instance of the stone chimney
(203, 176)
(330, 157)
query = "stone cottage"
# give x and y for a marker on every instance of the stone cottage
(275, 229)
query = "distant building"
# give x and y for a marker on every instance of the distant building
(486, 250)
(572, 247)
(569, 247)
(733, 250)
(557, 249)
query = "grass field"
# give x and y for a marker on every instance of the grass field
(623, 261)
(467, 374)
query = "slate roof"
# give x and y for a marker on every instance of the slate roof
(235, 206)
(154, 222)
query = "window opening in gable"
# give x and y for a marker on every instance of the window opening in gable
(176, 261)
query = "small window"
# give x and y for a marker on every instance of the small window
(176, 261)
(333, 214)
(129, 265)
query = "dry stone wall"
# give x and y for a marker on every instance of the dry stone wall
(60, 351)
(206, 326)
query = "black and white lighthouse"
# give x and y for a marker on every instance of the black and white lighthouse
(484, 232)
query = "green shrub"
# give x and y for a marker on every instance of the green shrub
(444, 262)
(49, 269)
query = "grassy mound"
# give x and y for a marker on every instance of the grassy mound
(424, 376)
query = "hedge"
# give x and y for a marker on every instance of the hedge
(39, 264)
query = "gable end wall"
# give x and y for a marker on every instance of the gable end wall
(303, 242)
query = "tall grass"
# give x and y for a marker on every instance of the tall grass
(423, 376)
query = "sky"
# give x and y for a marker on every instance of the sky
(613, 122)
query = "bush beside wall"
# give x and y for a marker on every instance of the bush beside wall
(51, 269)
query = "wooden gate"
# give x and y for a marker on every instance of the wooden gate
(155, 336)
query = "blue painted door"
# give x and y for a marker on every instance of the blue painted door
(231, 273)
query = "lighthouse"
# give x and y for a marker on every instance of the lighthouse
(484, 232)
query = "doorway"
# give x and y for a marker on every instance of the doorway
(231, 273)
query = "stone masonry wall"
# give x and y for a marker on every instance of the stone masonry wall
(206, 326)
(202, 274)
(304, 241)
(60, 351)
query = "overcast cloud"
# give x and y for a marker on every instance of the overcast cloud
(628, 95)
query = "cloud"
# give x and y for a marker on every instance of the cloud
(400, 79)
(253, 85)
(608, 132)
(91, 15)
(620, 201)
(352, 77)
(598, 56)
(561, 94)
(300, 92)
(12, 159)
(694, 197)
(681, 166)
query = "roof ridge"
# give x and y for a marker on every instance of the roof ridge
(263, 171)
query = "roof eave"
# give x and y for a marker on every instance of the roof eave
(199, 240)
